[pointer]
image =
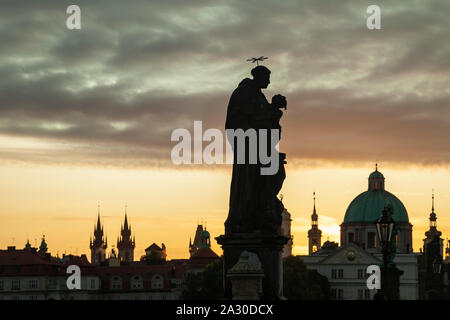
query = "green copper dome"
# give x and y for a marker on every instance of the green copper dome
(205, 234)
(367, 207)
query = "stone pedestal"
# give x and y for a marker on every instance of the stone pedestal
(268, 248)
(245, 277)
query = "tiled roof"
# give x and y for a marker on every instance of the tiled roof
(25, 257)
(202, 257)
(203, 253)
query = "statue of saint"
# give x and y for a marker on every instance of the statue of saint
(254, 206)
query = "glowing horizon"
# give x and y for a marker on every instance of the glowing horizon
(61, 202)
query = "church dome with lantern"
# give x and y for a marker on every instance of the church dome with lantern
(359, 221)
(367, 206)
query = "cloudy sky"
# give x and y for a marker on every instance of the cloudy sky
(74, 102)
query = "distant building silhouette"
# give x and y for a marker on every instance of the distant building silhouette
(156, 252)
(33, 274)
(314, 234)
(43, 247)
(194, 246)
(98, 245)
(433, 232)
(126, 244)
(203, 255)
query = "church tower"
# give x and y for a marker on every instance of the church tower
(98, 245)
(194, 246)
(433, 232)
(43, 247)
(314, 234)
(125, 244)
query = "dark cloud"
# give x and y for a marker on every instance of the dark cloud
(112, 92)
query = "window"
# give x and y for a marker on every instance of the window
(15, 284)
(337, 273)
(33, 284)
(360, 273)
(371, 240)
(93, 284)
(116, 283)
(367, 294)
(136, 282)
(32, 298)
(360, 294)
(157, 282)
(340, 294)
(15, 298)
(334, 293)
(52, 283)
(164, 297)
(351, 237)
(1, 285)
(150, 298)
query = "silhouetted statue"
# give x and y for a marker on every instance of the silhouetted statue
(254, 206)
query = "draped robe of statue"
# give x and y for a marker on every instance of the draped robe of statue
(254, 206)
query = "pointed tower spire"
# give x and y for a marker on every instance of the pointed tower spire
(314, 216)
(432, 202)
(99, 227)
(314, 234)
(433, 218)
(125, 224)
(314, 199)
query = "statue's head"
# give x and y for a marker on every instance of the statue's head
(261, 75)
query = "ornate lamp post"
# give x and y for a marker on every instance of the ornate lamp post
(385, 226)
(390, 275)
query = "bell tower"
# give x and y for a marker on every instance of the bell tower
(125, 243)
(314, 234)
(433, 231)
(98, 245)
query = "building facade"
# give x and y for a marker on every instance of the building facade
(33, 274)
(345, 264)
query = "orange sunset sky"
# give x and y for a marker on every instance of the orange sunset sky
(86, 115)
(165, 205)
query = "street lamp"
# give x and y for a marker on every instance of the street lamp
(385, 226)
(390, 275)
